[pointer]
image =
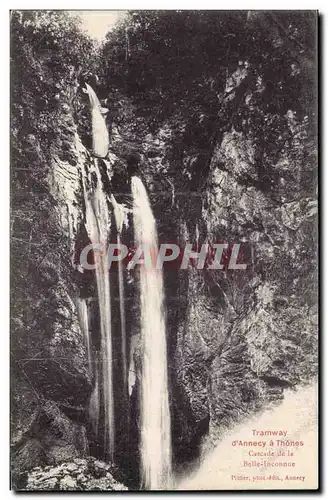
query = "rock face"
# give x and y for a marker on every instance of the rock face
(248, 335)
(238, 338)
(50, 437)
(86, 474)
(50, 383)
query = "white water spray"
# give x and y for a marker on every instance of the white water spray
(94, 403)
(156, 468)
(98, 228)
(100, 138)
(119, 219)
(82, 312)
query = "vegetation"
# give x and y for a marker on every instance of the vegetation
(48, 53)
(177, 63)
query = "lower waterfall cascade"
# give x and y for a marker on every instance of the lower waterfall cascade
(155, 426)
(154, 407)
(97, 224)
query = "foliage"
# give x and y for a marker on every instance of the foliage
(208, 72)
(169, 59)
(48, 53)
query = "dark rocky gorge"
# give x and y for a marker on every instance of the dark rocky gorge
(220, 126)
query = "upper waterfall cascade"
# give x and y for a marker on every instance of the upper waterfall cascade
(100, 137)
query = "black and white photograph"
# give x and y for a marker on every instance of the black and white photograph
(163, 250)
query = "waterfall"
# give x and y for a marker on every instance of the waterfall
(100, 138)
(119, 219)
(94, 403)
(82, 312)
(122, 316)
(98, 228)
(155, 438)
